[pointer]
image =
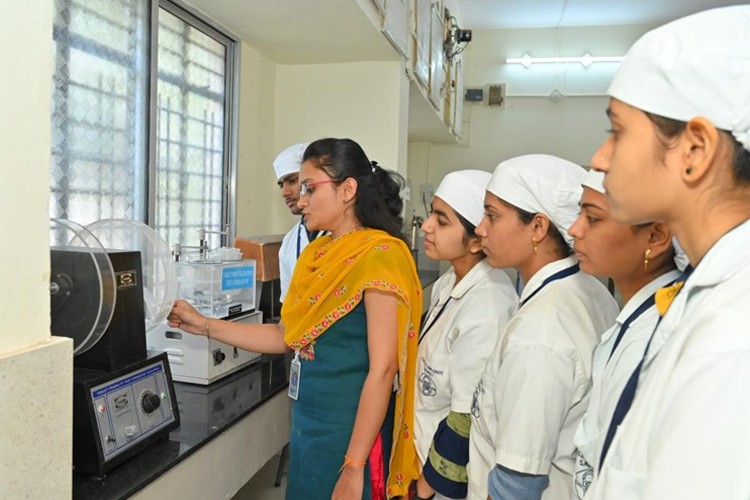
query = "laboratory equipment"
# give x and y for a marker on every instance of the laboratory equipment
(123, 397)
(219, 284)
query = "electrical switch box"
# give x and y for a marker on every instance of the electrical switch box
(496, 95)
(474, 95)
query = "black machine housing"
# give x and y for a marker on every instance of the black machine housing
(123, 399)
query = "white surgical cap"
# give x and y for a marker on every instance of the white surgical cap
(594, 180)
(696, 66)
(289, 161)
(464, 191)
(541, 184)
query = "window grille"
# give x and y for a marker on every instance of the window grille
(126, 145)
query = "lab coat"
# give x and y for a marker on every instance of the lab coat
(610, 374)
(687, 434)
(454, 349)
(291, 246)
(534, 388)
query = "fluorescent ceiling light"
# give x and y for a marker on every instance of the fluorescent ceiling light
(585, 60)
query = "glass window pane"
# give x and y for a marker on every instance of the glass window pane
(190, 141)
(99, 121)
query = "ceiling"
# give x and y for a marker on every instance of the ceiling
(500, 14)
(327, 31)
(302, 31)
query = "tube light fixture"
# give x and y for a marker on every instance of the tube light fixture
(585, 60)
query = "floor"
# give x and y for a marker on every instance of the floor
(261, 486)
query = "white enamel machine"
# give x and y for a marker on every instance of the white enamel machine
(220, 285)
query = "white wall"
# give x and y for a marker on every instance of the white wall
(257, 194)
(486, 54)
(366, 101)
(282, 105)
(571, 128)
(35, 369)
(25, 134)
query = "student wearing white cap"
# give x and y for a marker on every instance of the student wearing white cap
(640, 260)
(469, 305)
(679, 152)
(534, 388)
(287, 165)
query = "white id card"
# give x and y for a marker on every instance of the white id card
(294, 375)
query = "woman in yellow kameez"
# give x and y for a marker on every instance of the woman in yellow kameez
(352, 316)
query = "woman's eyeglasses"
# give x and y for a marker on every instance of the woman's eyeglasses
(307, 188)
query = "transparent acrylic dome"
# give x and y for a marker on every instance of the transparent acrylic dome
(82, 285)
(159, 278)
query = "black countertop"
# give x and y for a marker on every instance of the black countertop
(205, 412)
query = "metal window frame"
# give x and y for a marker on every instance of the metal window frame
(231, 120)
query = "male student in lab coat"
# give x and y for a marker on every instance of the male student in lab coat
(287, 165)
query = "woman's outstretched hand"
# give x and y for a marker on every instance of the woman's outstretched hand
(185, 317)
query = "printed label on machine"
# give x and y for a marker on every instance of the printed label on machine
(127, 380)
(126, 279)
(234, 278)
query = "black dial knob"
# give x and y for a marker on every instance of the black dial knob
(150, 402)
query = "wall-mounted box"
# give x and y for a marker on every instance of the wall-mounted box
(265, 251)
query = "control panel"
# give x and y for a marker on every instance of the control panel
(132, 408)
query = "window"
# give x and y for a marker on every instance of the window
(126, 145)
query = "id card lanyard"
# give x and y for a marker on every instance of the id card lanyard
(294, 375)
(427, 327)
(557, 276)
(299, 242)
(628, 392)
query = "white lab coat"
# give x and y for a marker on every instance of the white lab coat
(609, 375)
(291, 246)
(535, 386)
(454, 349)
(687, 434)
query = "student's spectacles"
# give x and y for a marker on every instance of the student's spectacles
(305, 187)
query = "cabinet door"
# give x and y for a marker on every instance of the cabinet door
(437, 60)
(423, 20)
(396, 24)
(458, 93)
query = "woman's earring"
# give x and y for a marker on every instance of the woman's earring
(689, 170)
(645, 259)
(536, 245)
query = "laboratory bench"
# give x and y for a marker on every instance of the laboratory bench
(228, 431)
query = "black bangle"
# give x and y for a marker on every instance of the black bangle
(417, 497)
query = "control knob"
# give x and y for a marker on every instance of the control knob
(149, 402)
